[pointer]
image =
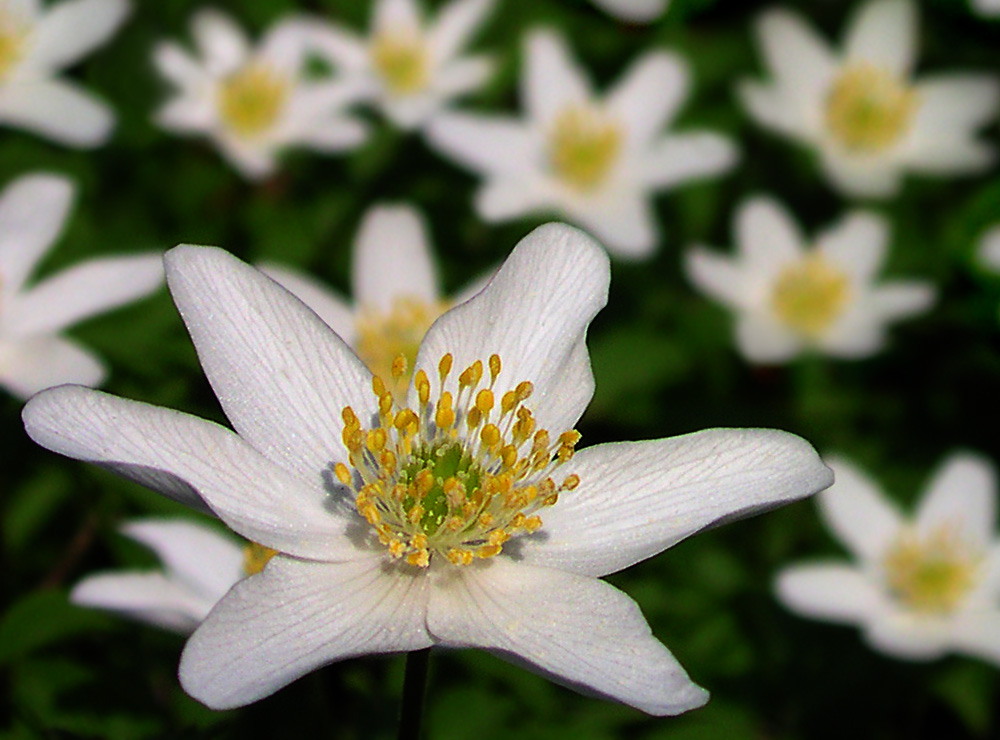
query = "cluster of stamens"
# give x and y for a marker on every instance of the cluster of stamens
(384, 335)
(401, 60)
(13, 36)
(583, 146)
(868, 109)
(809, 295)
(456, 477)
(251, 99)
(932, 574)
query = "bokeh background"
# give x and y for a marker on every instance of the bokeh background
(664, 362)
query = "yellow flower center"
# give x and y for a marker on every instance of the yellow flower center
(13, 39)
(402, 61)
(255, 557)
(583, 146)
(809, 295)
(930, 575)
(384, 336)
(457, 477)
(868, 109)
(251, 99)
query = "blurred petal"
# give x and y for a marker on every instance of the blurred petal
(32, 364)
(146, 597)
(392, 259)
(679, 158)
(84, 290)
(295, 617)
(978, 635)
(858, 513)
(649, 94)
(900, 635)
(884, 33)
(961, 495)
(487, 144)
(71, 29)
(454, 26)
(828, 591)
(857, 244)
(551, 79)
(575, 630)
(899, 299)
(329, 306)
(800, 60)
(33, 211)
(222, 44)
(861, 178)
(767, 236)
(636, 11)
(717, 276)
(636, 499)
(59, 110)
(534, 314)
(762, 340)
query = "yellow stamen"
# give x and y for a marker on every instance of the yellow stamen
(583, 147)
(402, 61)
(809, 295)
(388, 342)
(931, 575)
(255, 557)
(868, 109)
(252, 99)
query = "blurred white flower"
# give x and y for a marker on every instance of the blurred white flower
(410, 67)
(789, 297)
(989, 249)
(255, 102)
(861, 109)
(634, 11)
(35, 45)
(398, 529)
(200, 565)
(394, 285)
(988, 8)
(33, 354)
(597, 161)
(920, 586)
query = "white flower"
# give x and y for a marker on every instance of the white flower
(595, 160)
(401, 528)
(254, 102)
(200, 566)
(920, 586)
(635, 11)
(861, 109)
(411, 68)
(989, 249)
(394, 285)
(790, 297)
(37, 44)
(988, 8)
(33, 353)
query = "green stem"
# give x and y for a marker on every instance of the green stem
(414, 685)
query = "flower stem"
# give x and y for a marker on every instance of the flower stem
(414, 684)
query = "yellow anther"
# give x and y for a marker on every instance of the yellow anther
(486, 520)
(378, 386)
(570, 438)
(405, 419)
(396, 548)
(570, 482)
(488, 551)
(508, 456)
(565, 454)
(490, 435)
(415, 514)
(540, 442)
(349, 417)
(370, 512)
(423, 386)
(444, 367)
(498, 537)
(460, 557)
(507, 402)
(444, 417)
(532, 523)
(484, 401)
(420, 558)
(376, 440)
(518, 521)
(423, 483)
(454, 491)
(473, 418)
(455, 523)
(399, 366)
(342, 473)
(388, 460)
(551, 500)
(385, 403)
(524, 390)
(471, 375)
(494, 368)
(419, 542)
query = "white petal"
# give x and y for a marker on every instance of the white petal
(59, 110)
(857, 244)
(719, 277)
(897, 299)
(636, 499)
(343, 49)
(962, 495)
(649, 95)
(762, 340)
(508, 196)
(636, 11)
(73, 28)
(195, 461)
(462, 76)
(909, 636)
(773, 108)
(551, 78)
(178, 66)
(392, 259)
(33, 211)
(84, 290)
(989, 247)
(534, 314)
(396, 16)
(146, 597)
(334, 310)
(295, 617)
(487, 144)
(222, 44)
(858, 333)
(978, 635)
(767, 236)
(282, 376)
(800, 60)
(624, 222)
(833, 592)
(884, 33)
(576, 630)
(858, 513)
(32, 364)
(680, 158)
(861, 178)
(193, 554)
(454, 26)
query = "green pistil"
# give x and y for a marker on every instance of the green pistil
(444, 461)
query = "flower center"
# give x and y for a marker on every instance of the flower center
(13, 39)
(401, 59)
(868, 109)
(454, 478)
(384, 336)
(583, 146)
(809, 295)
(251, 99)
(255, 557)
(931, 575)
